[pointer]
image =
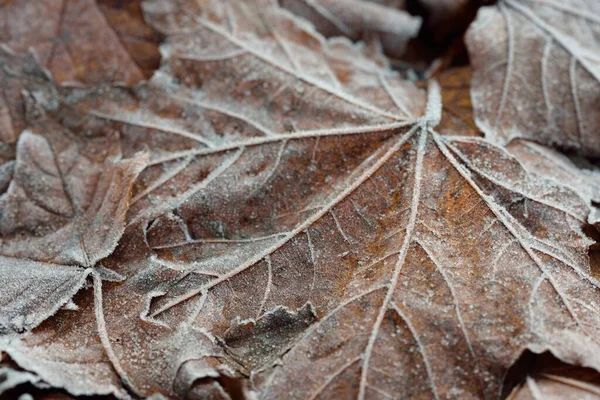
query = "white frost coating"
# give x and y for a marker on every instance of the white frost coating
(145, 313)
(535, 75)
(433, 112)
(533, 388)
(295, 135)
(401, 257)
(108, 274)
(267, 287)
(33, 291)
(70, 306)
(11, 378)
(552, 165)
(103, 333)
(175, 202)
(310, 80)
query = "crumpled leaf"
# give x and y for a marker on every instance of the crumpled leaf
(302, 232)
(76, 41)
(359, 19)
(537, 73)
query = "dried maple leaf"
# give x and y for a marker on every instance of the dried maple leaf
(76, 41)
(302, 232)
(193, 141)
(537, 72)
(63, 203)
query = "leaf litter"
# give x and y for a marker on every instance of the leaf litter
(274, 214)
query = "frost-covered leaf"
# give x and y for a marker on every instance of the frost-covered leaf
(67, 200)
(360, 19)
(583, 177)
(301, 231)
(537, 72)
(63, 202)
(33, 291)
(457, 272)
(75, 40)
(548, 163)
(17, 73)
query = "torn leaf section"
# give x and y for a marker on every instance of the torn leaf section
(208, 378)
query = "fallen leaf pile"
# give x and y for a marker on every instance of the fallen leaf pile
(278, 211)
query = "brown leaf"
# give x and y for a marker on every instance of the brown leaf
(537, 74)
(302, 231)
(203, 139)
(583, 177)
(63, 202)
(76, 41)
(457, 108)
(126, 18)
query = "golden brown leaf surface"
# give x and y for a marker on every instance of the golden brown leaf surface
(301, 230)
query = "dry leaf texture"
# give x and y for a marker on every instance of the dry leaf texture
(582, 176)
(537, 72)
(301, 230)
